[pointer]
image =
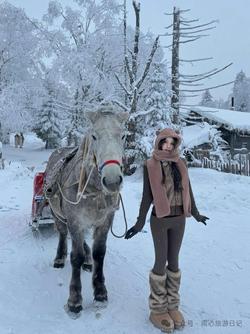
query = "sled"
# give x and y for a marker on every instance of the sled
(41, 214)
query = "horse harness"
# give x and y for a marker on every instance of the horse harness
(81, 186)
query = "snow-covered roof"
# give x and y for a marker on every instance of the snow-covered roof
(195, 135)
(231, 119)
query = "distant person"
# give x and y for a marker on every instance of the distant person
(21, 140)
(17, 140)
(166, 184)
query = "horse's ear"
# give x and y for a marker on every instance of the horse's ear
(91, 116)
(157, 132)
(123, 116)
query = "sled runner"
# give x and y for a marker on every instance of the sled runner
(41, 213)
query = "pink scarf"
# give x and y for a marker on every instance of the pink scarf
(161, 202)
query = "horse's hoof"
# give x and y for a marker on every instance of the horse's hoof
(74, 308)
(87, 267)
(101, 297)
(59, 263)
(72, 315)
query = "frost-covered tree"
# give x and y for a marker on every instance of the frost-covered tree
(241, 92)
(157, 99)
(155, 110)
(20, 52)
(207, 99)
(48, 126)
(86, 55)
(77, 125)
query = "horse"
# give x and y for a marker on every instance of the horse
(85, 195)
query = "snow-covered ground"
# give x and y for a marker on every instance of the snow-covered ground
(215, 262)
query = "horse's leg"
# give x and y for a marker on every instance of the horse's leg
(61, 253)
(76, 258)
(87, 264)
(98, 253)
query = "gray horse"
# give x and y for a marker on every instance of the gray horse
(82, 186)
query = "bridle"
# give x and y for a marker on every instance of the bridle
(108, 162)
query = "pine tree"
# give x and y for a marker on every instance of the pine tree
(156, 115)
(76, 127)
(207, 99)
(48, 125)
(158, 97)
(241, 91)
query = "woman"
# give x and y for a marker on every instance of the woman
(166, 185)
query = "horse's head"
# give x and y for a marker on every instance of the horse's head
(107, 138)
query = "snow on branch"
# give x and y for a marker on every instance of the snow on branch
(212, 73)
(120, 105)
(130, 73)
(195, 31)
(122, 85)
(189, 40)
(186, 22)
(192, 36)
(194, 60)
(136, 7)
(149, 61)
(170, 26)
(213, 87)
(198, 26)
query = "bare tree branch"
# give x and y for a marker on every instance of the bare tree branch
(120, 105)
(190, 76)
(149, 61)
(190, 84)
(189, 40)
(211, 74)
(200, 25)
(182, 20)
(194, 60)
(192, 36)
(193, 95)
(131, 79)
(170, 26)
(184, 10)
(122, 85)
(196, 31)
(201, 90)
(136, 39)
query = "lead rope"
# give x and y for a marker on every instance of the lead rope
(125, 220)
(78, 195)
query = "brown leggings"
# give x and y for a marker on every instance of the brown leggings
(167, 235)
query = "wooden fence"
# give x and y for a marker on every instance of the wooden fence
(241, 168)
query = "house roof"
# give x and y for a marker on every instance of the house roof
(229, 119)
(195, 135)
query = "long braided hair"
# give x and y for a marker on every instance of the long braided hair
(175, 171)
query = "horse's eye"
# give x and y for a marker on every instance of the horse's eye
(94, 137)
(123, 137)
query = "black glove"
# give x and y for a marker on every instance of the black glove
(201, 219)
(131, 232)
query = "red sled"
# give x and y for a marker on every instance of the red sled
(41, 213)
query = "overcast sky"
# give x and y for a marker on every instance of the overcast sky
(229, 42)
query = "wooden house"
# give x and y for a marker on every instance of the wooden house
(234, 125)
